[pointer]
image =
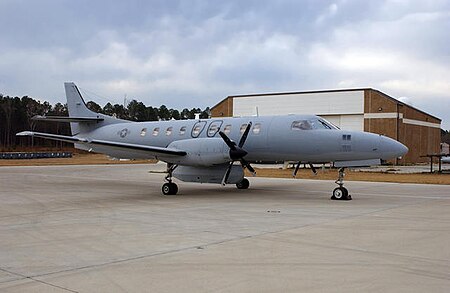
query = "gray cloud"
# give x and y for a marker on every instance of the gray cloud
(194, 53)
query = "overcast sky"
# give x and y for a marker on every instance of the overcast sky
(193, 53)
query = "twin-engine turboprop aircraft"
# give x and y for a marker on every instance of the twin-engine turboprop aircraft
(205, 150)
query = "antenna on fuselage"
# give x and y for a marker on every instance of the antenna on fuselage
(125, 101)
(257, 111)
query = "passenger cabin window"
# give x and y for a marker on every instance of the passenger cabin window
(214, 127)
(243, 127)
(169, 130)
(155, 131)
(257, 128)
(182, 130)
(198, 128)
(227, 129)
(143, 131)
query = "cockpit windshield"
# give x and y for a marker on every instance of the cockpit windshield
(328, 123)
(312, 123)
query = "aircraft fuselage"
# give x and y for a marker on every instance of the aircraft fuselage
(271, 139)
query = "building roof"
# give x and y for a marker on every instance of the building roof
(326, 91)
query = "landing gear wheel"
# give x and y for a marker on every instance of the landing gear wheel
(169, 188)
(244, 184)
(341, 193)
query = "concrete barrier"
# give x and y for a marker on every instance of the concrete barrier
(34, 155)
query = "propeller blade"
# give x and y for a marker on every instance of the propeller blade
(313, 168)
(231, 144)
(244, 135)
(296, 169)
(227, 174)
(248, 166)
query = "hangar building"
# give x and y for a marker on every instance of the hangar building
(364, 109)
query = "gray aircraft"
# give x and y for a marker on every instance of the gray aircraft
(205, 150)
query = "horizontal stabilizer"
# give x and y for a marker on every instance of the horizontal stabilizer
(67, 119)
(143, 150)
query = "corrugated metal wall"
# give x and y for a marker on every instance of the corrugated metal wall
(328, 103)
(344, 109)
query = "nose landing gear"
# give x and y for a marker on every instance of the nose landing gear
(341, 193)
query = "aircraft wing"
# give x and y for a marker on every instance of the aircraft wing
(144, 151)
(66, 119)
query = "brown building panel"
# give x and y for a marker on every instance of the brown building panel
(375, 102)
(420, 140)
(223, 109)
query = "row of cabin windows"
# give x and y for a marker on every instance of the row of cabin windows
(215, 127)
(197, 129)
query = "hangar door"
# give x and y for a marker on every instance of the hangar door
(347, 122)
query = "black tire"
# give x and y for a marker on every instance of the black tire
(244, 184)
(340, 193)
(174, 189)
(169, 189)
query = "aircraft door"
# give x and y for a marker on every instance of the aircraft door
(197, 129)
(214, 127)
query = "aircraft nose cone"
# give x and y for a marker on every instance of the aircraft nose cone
(390, 148)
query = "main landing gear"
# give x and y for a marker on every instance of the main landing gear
(341, 193)
(244, 184)
(170, 188)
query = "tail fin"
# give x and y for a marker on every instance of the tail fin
(75, 103)
(79, 111)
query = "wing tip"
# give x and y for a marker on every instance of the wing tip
(25, 133)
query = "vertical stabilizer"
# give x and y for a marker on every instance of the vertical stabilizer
(75, 103)
(78, 109)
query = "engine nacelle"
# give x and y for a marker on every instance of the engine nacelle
(201, 152)
(208, 174)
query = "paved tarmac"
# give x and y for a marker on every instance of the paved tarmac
(109, 229)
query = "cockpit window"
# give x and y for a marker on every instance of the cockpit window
(301, 125)
(313, 123)
(319, 124)
(328, 123)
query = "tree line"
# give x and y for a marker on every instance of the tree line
(16, 114)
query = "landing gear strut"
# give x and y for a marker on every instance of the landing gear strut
(170, 188)
(341, 193)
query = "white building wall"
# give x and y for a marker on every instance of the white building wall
(344, 109)
(347, 122)
(328, 103)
